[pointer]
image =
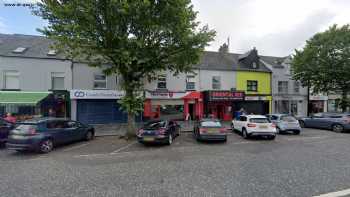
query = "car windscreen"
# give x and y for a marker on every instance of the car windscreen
(259, 120)
(25, 128)
(210, 124)
(154, 125)
(288, 119)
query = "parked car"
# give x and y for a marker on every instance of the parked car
(254, 125)
(336, 122)
(285, 123)
(158, 131)
(209, 129)
(44, 134)
(5, 128)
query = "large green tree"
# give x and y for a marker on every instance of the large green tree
(136, 39)
(324, 63)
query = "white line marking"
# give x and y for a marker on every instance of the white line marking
(336, 194)
(123, 148)
(75, 147)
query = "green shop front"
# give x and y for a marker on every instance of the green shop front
(26, 105)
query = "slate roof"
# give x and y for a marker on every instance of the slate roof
(275, 62)
(39, 46)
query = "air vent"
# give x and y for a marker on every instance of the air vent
(52, 52)
(19, 50)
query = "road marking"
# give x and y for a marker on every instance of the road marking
(123, 148)
(75, 147)
(336, 194)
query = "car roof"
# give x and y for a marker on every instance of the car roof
(41, 119)
(209, 119)
(255, 116)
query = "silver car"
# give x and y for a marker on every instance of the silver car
(285, 123)
(337, 122)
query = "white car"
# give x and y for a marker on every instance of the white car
(254, 125)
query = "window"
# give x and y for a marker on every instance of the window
(51, 52)
(242, 118)
(296, 86)
(211, 124)
(161, 82)
(57, 81)
(11, 80)
(252, 86)
(100, 81)
(259, 120)
(190, 82)
(283, 87)
(216, 82)
(19, 50)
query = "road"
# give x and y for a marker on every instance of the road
(314, 163)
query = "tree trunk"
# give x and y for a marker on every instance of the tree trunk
(344, 100)
(131, 130)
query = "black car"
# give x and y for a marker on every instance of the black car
(43, 134)
(5, 128)
(158, 131)
(210, 129)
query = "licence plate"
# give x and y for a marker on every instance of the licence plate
(212, 130)
(263, 127)
(148, 139)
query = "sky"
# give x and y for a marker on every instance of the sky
(274, 27)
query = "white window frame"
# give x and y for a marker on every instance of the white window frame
(161, 79)
(216, 86)
(190, 79)
(281, 87)
(99, 81)
(58, 75)
(12, 73)
(296, 86)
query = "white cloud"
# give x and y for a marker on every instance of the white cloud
(3, 27)
(275, 27)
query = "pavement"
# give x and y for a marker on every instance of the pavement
(313, 163)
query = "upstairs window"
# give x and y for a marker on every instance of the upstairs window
(296, 86)
(100, 81)
(190, 82)
(11, 80)
(252, 86)
(283, 87)
(57, 81)
(216, 82)
(161, 82)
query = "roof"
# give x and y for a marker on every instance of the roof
(275, 62)
(36, 46)
(255, 116)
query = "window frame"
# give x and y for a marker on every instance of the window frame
(216, 85)
(296, 87)
(250, 85)
(57, 75)
(190, 80)
(11, 73)
(281, 85)
(100, 81)
(162, 79)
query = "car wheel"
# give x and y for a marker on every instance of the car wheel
(89, 136)
(338, 128)
(170, 139)
(302, 124)
(46, 146)
(296, 132)
(244, 133)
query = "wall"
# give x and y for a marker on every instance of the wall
(35, 74)
(264, 81)
(228, 79)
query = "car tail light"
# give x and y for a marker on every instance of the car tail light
(251, 125)
(223, 130)
(201, 130)
(273, 125)
(161, 131)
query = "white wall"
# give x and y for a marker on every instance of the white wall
(228, 79)
(35, 74)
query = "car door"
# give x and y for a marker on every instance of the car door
(317, 121)
(171, 128)
(55, 129)
(74, 130)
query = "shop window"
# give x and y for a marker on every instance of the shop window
(216, 82)
(252, 86)
(190, 82)
(296, 86)
(57, 81)
(161, 82)
(282, 107)
(283, 87)
(294, 107)
(100, 81)
(11, 80)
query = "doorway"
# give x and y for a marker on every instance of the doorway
(191, 110)
(220, 112)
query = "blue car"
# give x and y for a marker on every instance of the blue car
(5, 128)
(43, 134)
(336, 122)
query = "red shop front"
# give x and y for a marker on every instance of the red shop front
(173, 105)
(219, 104)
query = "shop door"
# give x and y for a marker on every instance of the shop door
(100, 112)
(220, 112)
(191, 111)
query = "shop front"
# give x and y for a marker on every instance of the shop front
(172, 105)
(221, 104)
(97, 106)
(254, 105)
(318, 104)
(26, 105)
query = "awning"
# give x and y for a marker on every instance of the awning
(193, 95)
(18, 97)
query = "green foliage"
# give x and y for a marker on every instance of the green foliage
(324, 63)
(135, 39)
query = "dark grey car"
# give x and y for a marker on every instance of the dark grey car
(332, 121)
